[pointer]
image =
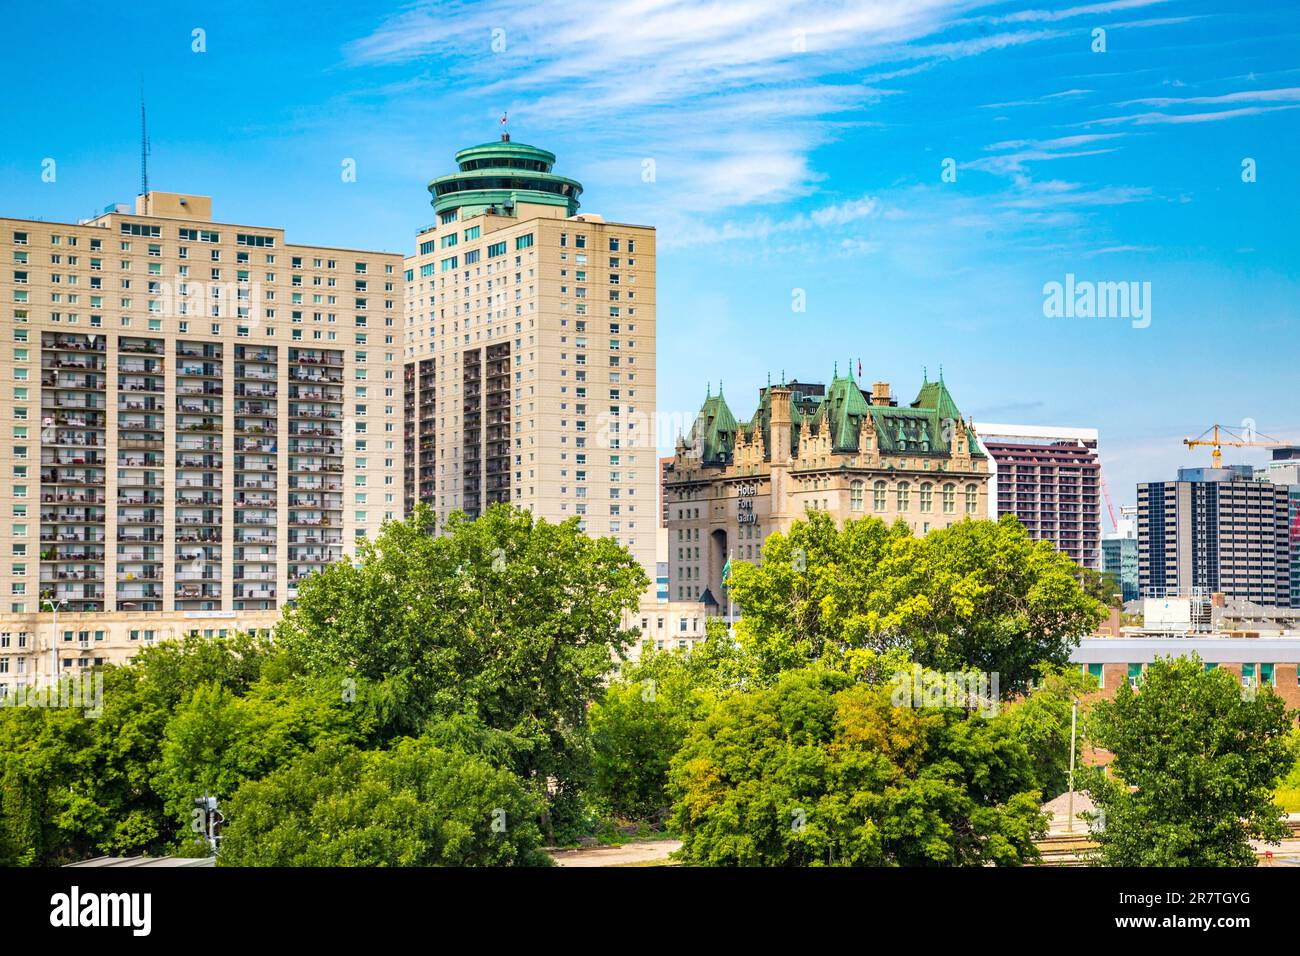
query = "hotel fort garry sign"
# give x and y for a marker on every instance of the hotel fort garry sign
(745, 495)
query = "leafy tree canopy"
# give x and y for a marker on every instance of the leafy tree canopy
(1195, 765)
(509, 619)
(1042, 722)
(411, 805)
(979, 595)
(73, 787)
(642, 721)
(818, 770)
(508, 616)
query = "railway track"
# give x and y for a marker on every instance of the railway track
(1070, 849)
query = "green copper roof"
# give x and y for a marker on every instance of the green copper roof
(843, 408)
(918, 428)
(935, 395)
(501, 174)
(714, 431)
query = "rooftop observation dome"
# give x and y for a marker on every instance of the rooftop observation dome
(501, 175)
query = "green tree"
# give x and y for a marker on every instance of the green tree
(818, 770)
(215, 740)
(508, 618)
(73, 786)
(642, 721)
(1101, 586)
(1195, 764)
(1041, 721)
(979, 595)
(413, 805)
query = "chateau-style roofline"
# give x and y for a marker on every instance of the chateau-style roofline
(844, 412)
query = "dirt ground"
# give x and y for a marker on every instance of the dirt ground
(647, 853)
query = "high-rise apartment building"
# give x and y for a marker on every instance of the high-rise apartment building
(1216, 530)
(529, 352)
(1050, 479)
(197, 414)
(1284, 469)
(842, 449)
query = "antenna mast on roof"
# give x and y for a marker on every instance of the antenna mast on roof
(144, 146)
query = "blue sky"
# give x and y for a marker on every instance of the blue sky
(795, 146)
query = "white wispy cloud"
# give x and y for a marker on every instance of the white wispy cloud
(767, 229)
(1164, 119)
(1036, 101)
(1056, 194)
(1069, 13)
(730, 99)
(1290, 94)
(1117, 250)
(1013, 157)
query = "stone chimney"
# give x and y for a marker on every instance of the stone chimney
(880, 393)
(778, 453)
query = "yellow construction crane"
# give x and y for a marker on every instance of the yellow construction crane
(1233, 440)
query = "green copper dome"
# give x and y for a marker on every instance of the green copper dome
(503, 174)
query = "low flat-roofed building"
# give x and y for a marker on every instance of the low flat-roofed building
(1255, 661)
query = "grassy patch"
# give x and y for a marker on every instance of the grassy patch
(1289, 797)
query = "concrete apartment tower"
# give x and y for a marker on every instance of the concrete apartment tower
(197, 416)
(1050, 479)
(529, 352)
(1216, 530)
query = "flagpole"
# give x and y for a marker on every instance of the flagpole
(731, 610)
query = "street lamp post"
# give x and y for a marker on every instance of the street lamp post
(1074, 723)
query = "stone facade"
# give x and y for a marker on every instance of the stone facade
(844, 450)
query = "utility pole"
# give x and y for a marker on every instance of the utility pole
(1074, 723)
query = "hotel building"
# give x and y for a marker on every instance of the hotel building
(842, 449)
(198, 416)
(529, 352)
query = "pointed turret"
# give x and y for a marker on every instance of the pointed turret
(714, 431)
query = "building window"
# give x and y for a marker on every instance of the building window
(878, 496)
(1135, 676)
(927, 496)
(855, 496)
(904, 496)
(1098, 671)
(972, 499)
(949, 498)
